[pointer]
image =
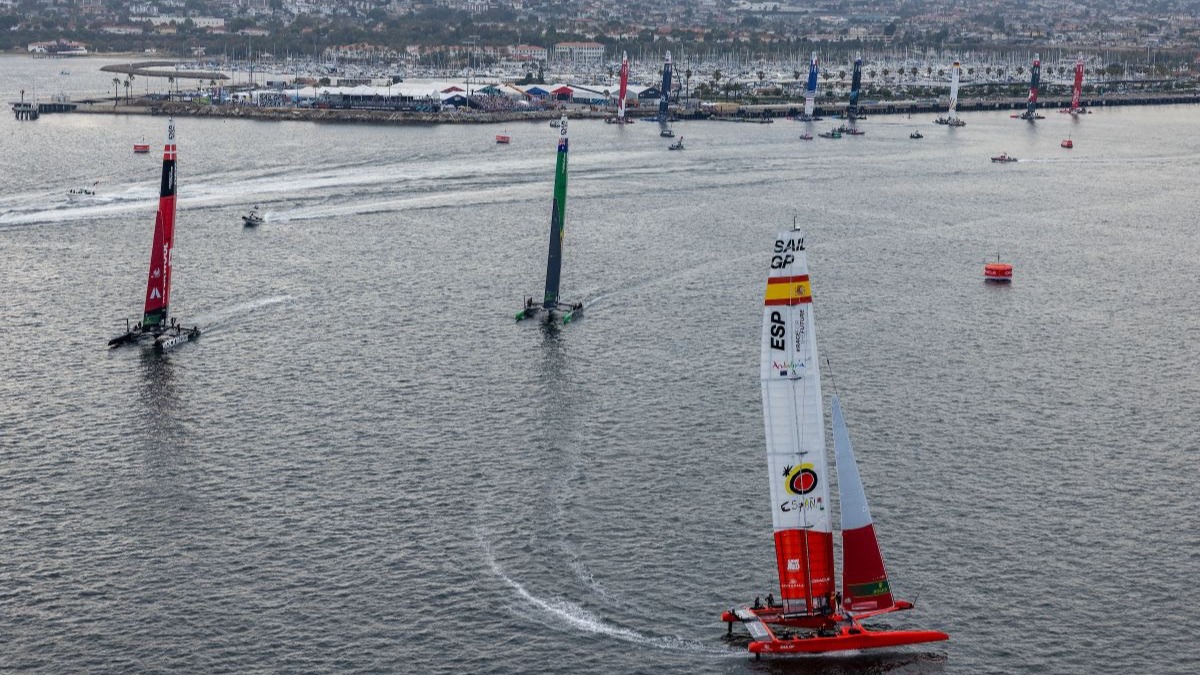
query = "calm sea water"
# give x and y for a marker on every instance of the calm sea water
(365, 465)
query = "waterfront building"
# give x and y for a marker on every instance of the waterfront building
(579, 52)
(528, 53)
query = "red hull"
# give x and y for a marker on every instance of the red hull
(141, 148)
(848, 641)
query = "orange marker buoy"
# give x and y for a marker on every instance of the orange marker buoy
(997, 271)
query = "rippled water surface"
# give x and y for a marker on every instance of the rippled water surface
(365, 465)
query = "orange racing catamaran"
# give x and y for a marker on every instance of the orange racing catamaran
(811, 616)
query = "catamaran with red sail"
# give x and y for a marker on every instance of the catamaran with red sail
(811, 615)
(157, 326)
(1077, 91)
(621, 117)
(551, 304)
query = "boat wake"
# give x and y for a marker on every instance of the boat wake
(559, 612)
(221, 317)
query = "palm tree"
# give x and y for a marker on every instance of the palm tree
(129, 78)
(886, 72)
(914, 71)
(928, 71)
(687, 81)
(127, 85)
(871, 73)
(116, 91)
(988, 70)
(1020, 70)
(170, 85)
(970, 71)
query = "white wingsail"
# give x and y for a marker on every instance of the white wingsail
(864, 579)
(795, 432)
(954, 71)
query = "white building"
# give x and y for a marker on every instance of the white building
(579, 51)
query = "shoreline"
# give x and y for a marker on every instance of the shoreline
(723, 111)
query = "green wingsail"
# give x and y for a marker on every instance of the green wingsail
(558, 215)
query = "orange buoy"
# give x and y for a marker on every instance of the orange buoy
(997, 271)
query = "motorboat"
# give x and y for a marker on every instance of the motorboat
(916, 134)
(1004, 157)
(141, 148)
(1067, 143)
(252, 219)
(667, 133)
(806, 136)
(677, 145)
(830, 134)
(82, 192)
(503, 139)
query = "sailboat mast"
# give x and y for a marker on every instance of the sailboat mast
(158, 283)
(1031, 107)
(558, 211)
(954, 74)
(795, 431)
(1077, 88)
(624, 86)
(855, 86)
(665, 100)
(810, 92)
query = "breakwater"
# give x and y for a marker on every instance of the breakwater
(731, 110)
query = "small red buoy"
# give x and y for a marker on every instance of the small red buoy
(997, 271)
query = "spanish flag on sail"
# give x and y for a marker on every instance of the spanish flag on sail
(788, 290)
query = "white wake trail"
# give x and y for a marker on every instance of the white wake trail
(579, 618)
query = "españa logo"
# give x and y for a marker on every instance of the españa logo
(801, 479)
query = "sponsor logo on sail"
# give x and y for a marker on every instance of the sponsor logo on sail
(801, 478)
(786, 368)
(793, 564)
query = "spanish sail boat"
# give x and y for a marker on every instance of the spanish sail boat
(811, 616)
(156, 326)
(551, 304)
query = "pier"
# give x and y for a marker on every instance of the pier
(31, 111)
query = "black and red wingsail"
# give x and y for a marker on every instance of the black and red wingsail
(155, 322)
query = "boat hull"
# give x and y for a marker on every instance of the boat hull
(847, 642)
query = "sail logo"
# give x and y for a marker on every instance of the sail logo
(156, 273)
(809, 503)
(801, 479)
(793, 564)
(788, 367)
(154, 294)
(778, 330)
